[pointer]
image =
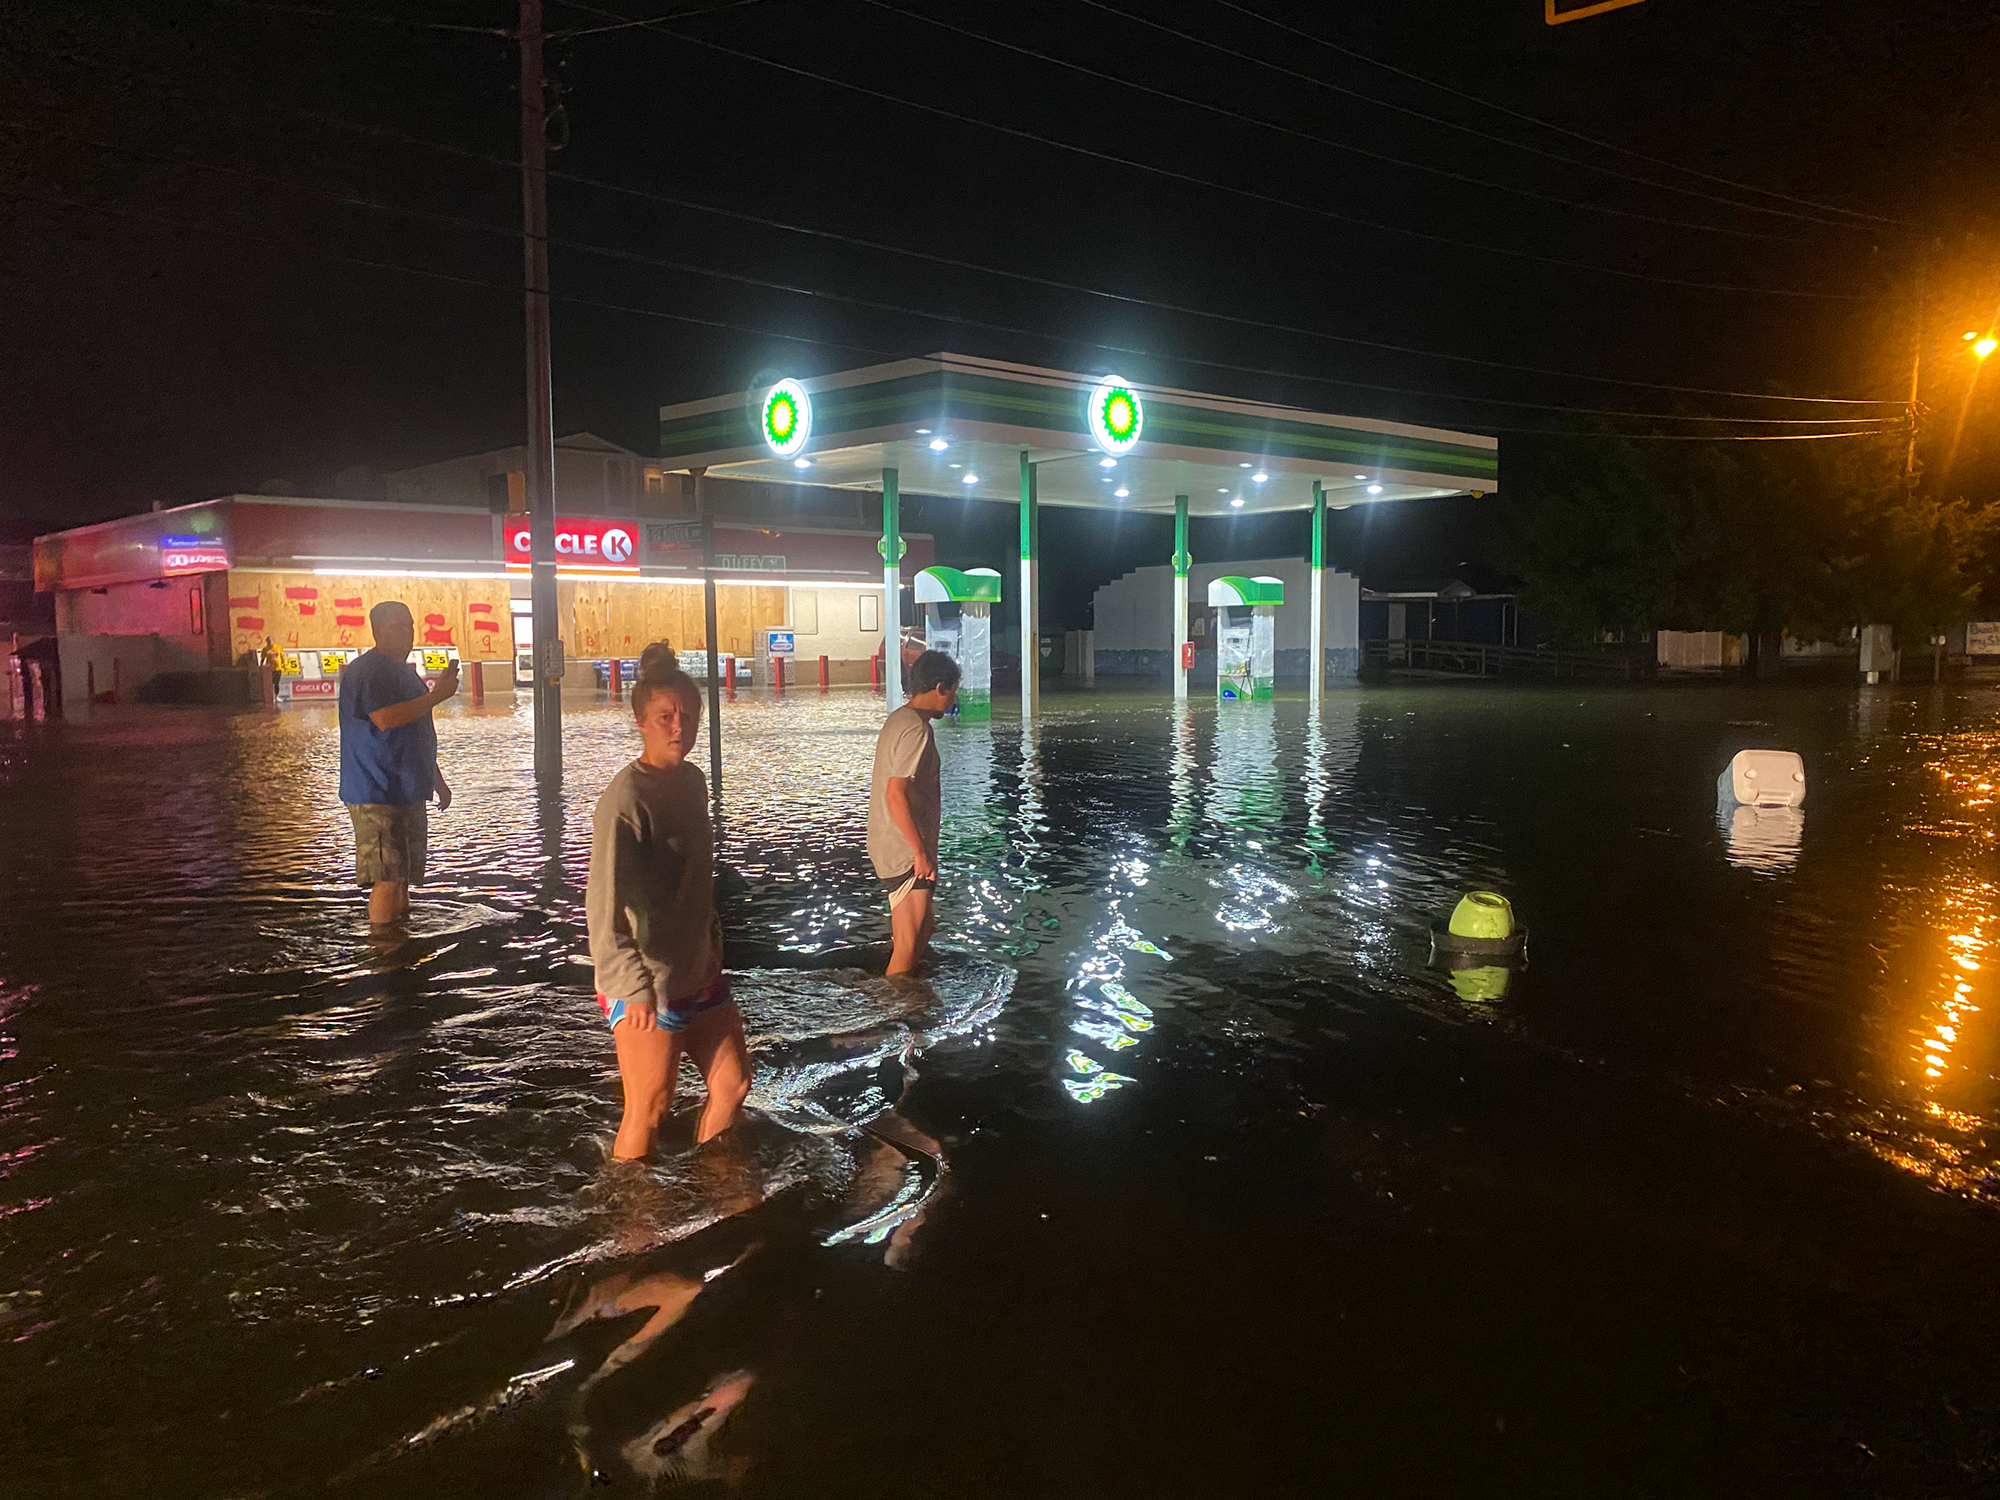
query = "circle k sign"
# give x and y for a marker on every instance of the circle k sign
(580, 544)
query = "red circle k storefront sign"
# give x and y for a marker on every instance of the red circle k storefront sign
(588, 545)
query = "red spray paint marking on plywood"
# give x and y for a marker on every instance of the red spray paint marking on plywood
(249, 622)
(244, 601)
(349, 622)
(354, 603)
(301, 593)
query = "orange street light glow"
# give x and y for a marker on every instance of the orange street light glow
(1986, 346)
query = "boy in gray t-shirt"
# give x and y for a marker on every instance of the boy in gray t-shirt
(904, 805)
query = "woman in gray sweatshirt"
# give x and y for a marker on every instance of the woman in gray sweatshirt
(654, 934)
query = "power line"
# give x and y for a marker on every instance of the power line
(409, 23)
(1317, 140)
(676, 15)
(931, 257)
(236, 233)
(425, 272)
(793, 289)
(1577, 135)
(1249, 193)
(1439, 120)
(1692, 437)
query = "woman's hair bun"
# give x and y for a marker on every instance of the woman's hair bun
(657, 660)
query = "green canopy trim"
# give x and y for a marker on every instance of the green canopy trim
(1231, 590)
(949, 586)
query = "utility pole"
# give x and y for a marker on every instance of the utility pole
(541, 460)
(1916, 368)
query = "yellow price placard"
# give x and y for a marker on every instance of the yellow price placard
(436, 661)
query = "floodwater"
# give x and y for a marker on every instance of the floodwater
(1189, 1172)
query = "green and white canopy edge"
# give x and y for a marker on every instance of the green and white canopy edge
(1020, 434)
(939, 585)
(1246, 592)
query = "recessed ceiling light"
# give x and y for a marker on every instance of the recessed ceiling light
(923, 432)
(1360, 476)
(954, 466)
(968, 479)
(1107, 463)
(1259, 477)
(1243, 466)
(1237, 501)
(1374, 489)
(1121, 492)
(1223, 491)
(802, 463)
(938, 445)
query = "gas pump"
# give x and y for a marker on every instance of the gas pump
(958, 620)
(1245, 636)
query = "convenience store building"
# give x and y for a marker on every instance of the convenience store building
(149, 605)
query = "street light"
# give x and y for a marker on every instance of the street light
(1986, 346)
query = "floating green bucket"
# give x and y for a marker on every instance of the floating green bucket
(1483, 914)
(1483, 923)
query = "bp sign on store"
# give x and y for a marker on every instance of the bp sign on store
(591, 545)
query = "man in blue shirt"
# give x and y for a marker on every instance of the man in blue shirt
(388, 760)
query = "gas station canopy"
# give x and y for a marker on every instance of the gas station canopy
(954, 424)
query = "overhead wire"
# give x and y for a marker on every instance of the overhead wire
(1453, 125)
(1625, 383)
(1251, 194)
(1053, 283)
(1317, 140)
(237, 233)
(572, 32)
(1576, 135)
(899, 309)
(326, 12)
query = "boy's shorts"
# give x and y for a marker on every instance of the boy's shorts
(675, 1014)
(900, 886)
(389, 840)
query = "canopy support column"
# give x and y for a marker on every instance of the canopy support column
(1031, 598)
(1181, 563)
(892, 591)
(714, 646)
(1316, 664)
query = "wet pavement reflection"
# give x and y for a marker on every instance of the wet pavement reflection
(1190, 1166)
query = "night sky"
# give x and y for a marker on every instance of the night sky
(215, 329)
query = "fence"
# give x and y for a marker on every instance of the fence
(1479, 659)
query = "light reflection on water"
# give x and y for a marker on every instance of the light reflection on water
(229, 1122)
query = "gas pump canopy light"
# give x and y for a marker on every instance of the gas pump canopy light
(787, 418)
(1116, 415)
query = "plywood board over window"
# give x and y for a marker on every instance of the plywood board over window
(317, 612)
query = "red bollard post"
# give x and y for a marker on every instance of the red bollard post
(875, 674)
(478, 683)
(778, 675)
(617, 679)
(729, 676)
(822, 674)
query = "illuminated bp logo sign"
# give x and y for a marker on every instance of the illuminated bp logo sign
(787, 417)
(1116, 415)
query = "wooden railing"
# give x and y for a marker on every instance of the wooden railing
(1479, 659)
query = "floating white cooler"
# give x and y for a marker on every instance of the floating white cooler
(1763, 778)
